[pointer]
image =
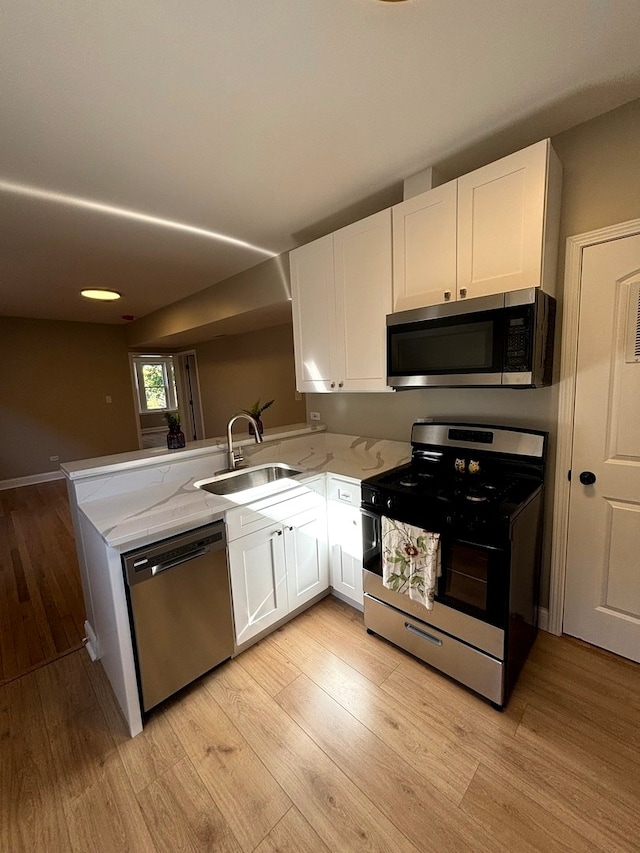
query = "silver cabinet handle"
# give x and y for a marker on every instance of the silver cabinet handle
(463, 292)
(340, 384)
(333, 384)
(447, 295)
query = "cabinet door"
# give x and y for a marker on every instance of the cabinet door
(424, 249)
(362, 258)
(306, 556)
(313, 304)
(345, 551)
(258, 581)
(501, 209)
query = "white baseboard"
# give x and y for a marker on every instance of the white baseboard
(31, 480)
(543, 618)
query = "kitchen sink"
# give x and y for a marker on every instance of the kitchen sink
(247, 478)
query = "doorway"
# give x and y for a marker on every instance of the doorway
(163, 383)
(188, 389)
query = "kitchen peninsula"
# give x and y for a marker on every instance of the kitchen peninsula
(127, 501)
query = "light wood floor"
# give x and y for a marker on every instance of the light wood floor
(41, 606)
(322, 738)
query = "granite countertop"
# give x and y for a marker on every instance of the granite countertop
(163, 509)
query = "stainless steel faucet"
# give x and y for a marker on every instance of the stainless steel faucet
(234, 457)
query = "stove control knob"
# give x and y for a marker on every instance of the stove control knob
(391, 503)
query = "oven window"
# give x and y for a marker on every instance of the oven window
(466, 575)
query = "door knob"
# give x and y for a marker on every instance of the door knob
(587, 478)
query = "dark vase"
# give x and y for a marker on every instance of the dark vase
(175, 438)
(260, 427)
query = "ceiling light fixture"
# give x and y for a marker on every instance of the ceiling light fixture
(101, 294)
(87, 204)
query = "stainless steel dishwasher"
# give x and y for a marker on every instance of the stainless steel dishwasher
(180, 610)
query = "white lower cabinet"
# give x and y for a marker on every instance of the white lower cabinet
(277, 557)
(344, 523)
(258, 582)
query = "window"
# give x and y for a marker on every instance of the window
(155, 382)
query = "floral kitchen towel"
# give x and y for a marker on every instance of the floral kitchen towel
(410, 560)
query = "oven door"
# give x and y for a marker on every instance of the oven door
(475, 580)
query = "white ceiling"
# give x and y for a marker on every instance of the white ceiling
(261, 121)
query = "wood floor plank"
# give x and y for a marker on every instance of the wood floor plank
(438, 757)
(515, 820)
(543, 773)
(269, 667)
(374, 661)
(181, 814)
(426, 691)
(41, 606)
(65, 690)
(579, 692)
(292, 835)
(336, 808)
(244, 790)
(31, 814)
(152, 753)
(402, 793)
(614, 761)
(105, 815)
(95, 676)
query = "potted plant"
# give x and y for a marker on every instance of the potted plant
(255, 411)
(175, 436)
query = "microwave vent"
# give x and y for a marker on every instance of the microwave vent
(633, 328)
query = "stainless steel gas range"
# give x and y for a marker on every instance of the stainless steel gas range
(477, 490)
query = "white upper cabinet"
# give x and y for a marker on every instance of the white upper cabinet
(424, 248)
(341, 293)
(314, 325)
(492, 231)
(508, 214)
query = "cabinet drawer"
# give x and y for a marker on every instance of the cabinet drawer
(275, 509)
(344, 491)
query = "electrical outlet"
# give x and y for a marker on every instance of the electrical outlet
(298, 396)
(54, 459)
(315, 416)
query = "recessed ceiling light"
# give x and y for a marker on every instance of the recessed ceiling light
(100, 293)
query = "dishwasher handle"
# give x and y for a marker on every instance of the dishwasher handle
(171, 564)
(146, 563)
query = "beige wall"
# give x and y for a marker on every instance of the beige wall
(234, 371)
(53, 384)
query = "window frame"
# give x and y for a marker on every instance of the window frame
(169, 382)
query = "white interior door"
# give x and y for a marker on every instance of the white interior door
(602, 593)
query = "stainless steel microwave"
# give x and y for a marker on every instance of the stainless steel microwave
(504, 340)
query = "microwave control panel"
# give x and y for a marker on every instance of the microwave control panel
(518, 339)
